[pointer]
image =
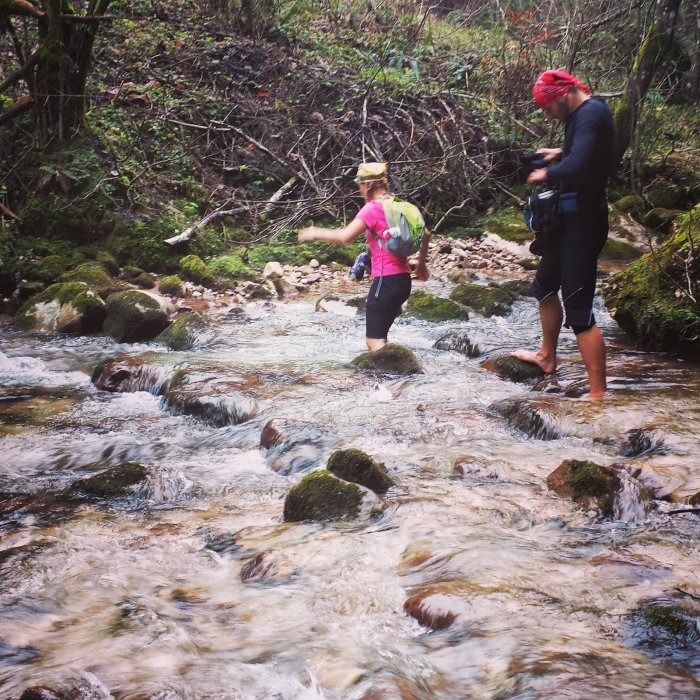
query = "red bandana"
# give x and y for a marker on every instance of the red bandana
(553, 84)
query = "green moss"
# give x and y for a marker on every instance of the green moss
(171, 285)
(491, 300)
(320, 496)
(141, 243)
(95, 276)
(194, 269)
(508, 223)
(428, 307)
(48, 269)
(619, 250)
(655, 298)
(633, 205)
(232, 267)
(667, 619)
(358, 467)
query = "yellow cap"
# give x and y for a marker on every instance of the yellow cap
(371, 171)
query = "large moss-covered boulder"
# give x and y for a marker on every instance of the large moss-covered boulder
(487, 300)
(95, 276)
(358, 467)
(190, 331)
(68, 307)
(586, 483)
(133, 316)
(656, 298)
(633, 205)
(393, 358)
(320, 496)
(428, 307)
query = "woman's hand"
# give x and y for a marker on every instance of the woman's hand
(307, 234)
(421, 272)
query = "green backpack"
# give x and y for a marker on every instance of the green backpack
(406, 226)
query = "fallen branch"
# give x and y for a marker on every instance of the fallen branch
(188, 233)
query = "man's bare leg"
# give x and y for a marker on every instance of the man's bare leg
(374, 344)
(592, 348)
(551, 318)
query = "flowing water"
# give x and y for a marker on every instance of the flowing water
(144, 597)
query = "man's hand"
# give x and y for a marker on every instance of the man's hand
(550, 154)
(539, 175)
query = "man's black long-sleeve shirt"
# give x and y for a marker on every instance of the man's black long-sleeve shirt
(587, 153)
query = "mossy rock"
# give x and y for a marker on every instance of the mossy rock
(48, 269)
(633, 205)
(586, 483)
(145, 280)
(358, 467)
(427, 307)
(131, 272)
(665, 194)
(65, 307)
(113, 482)
(661, 219)
(655, 297)
(95, 276)
(615, 249)
(487, 300)
(134, 316)
(320, 496)
(189, 331)
(393, 358)
(194, 269)
(171, 285)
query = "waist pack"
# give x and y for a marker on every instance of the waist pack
(542, 212)
(405, 230)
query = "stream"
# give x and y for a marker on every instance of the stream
(195, 587)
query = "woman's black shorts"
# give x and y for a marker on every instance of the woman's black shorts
(386, 296)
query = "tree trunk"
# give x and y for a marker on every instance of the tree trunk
(655, 45)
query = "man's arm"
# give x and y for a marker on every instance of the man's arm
(422, 272)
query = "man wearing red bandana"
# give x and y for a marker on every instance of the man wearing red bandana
(570, 259)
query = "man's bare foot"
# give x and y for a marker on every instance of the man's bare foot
(535, 358)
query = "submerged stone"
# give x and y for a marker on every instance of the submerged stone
(358, 467)
(216, 398)
(392, 359)
(113, 482)
(513, 369)
(458, 341)
(320, 496)
(586, 483)
(190, 331)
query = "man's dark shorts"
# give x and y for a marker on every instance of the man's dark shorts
(383, 308)
(570, 261)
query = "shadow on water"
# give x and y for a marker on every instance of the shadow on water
(192, 586)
